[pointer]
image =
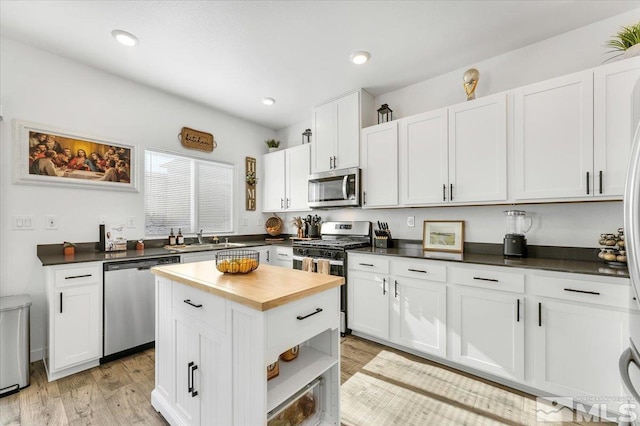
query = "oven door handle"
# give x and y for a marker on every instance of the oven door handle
(315, 260)
(345, 196)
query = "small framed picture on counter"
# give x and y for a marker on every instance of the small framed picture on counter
(443, 235)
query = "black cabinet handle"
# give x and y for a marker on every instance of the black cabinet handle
(189, 302)
(330, 163)
(539, 314)
(587, 183)
(384, 286)
(281, 203)
(600, 178)
(444, 192)
(417, 270)
(364, 197)
(396, 287)
(451, 192)
(366, 264)
(317, 311)
(582, 291)
(73, 277)
(191, 384)
(335, 163)
(486, 279)
(518, 312)
(268, 256)
(60, 302)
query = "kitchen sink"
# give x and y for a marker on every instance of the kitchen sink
(202, 247)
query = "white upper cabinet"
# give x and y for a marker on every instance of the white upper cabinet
(478, 150)
(423, 160)
(612, 124)
(379, 161)
(455, 155)
(336, 132)
(553, 140)
(286, 173)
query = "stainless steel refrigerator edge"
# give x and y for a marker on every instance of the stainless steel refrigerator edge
(129, 306)
(630, 358)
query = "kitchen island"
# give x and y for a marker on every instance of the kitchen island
(217, 333)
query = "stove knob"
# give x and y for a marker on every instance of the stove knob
(305, 252)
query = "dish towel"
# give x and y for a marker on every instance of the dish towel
(307, 264)
(324, 267)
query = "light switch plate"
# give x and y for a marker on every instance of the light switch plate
(411, 221)
(50, 222)
(131, 222)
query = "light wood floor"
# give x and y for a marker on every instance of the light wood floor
(118, 393)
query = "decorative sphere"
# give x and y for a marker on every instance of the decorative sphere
(471, 75)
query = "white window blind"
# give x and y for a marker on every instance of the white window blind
(188, 194)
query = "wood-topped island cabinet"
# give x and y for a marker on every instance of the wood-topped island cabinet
(216, 335)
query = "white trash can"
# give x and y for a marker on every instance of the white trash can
(15, 347)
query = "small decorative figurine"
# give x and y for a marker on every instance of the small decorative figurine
(470, 78)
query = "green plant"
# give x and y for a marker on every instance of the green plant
(272, 143)
(626, 37)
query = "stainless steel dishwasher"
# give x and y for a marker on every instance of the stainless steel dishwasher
(129, 306)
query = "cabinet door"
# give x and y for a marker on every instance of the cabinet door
(380, 165)
(612, 124)
(576, 348)
(202, 379)
(478, 150)
(553, 138)
(77, 324)
(297, 174)
(324, 137)
(419, 315)
(489, 331)
(283, 257)
(264, 253)
(274, 181)
(348, 132)
(423, 158)
(368, 302)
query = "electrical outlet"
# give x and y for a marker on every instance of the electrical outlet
(411, 221)
(50, 222)
(102, 220)
(259, 222)
(131, 222)
(245, 221)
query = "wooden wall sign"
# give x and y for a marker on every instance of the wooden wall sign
(195, 139)
(251, 181)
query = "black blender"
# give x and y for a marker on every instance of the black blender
(518, 223)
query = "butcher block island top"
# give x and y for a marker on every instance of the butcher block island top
(265, 288)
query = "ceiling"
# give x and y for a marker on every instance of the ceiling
(230, 54)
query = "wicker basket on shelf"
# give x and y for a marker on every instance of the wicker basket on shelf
(274, 226)
(237, 261)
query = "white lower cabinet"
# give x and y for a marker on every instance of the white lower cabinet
(561, 333)
(264, 253)
(200, 361)
(282, 256)
(74, 296)
(489, 331)
(212, 356)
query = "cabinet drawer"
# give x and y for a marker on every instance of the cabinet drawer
(378, 264)
(421, 269)
(587, 290)
(291, 324)
(493, 278)
(77, 276)
(284, 253)
(200, 305)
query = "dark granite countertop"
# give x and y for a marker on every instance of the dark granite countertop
(563, 260)
(51, 254)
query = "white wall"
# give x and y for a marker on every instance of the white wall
(569, 224)
(43, 88)
(292, 136)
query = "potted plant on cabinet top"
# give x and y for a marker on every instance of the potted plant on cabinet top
(272, 144)
(627, 42)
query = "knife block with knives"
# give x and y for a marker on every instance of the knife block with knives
(382, 237)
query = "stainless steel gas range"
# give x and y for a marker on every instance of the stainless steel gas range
(336, 239)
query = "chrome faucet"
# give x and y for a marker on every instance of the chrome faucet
(199, 234)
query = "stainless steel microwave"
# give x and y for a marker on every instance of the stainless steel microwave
(335, 188)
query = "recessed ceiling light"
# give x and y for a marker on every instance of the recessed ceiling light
(360, 57)
(268, 101)
(125, 38)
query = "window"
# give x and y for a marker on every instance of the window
(187, 193)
